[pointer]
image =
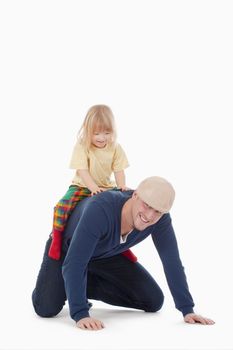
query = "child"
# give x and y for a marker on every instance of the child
(95, 156)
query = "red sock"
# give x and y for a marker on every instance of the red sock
(55, 247)
(130, 255)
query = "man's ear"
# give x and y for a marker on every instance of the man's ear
(135, 195)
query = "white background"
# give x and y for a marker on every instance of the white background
(165, 69)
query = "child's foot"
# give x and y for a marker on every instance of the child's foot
(56, 245)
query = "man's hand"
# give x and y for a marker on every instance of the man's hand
(89, 323)
(194, 318)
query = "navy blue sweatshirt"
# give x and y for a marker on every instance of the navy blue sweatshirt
(93, 232)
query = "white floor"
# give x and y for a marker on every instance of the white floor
(125, 329)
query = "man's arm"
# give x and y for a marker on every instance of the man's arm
(166, 245)
(91, 225)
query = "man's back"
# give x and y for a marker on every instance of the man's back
(99, 219)
(104, 208)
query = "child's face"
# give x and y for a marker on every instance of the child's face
(101, 138)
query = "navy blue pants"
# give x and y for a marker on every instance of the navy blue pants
(115, 280)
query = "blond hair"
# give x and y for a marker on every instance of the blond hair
(98, 118)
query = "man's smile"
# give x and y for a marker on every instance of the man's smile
(143, 219)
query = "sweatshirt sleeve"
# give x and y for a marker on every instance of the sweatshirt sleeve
(85, 238)
(166, 244)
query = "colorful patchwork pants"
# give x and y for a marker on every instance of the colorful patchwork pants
(62, 211)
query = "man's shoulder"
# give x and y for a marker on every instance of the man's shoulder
(110, 200)
(106, 204)
(112, 197)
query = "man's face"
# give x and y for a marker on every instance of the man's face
(143, 215)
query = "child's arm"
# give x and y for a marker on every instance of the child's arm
(88, 181)
(120, 180)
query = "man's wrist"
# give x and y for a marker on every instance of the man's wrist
(82, 314)
(187, 310)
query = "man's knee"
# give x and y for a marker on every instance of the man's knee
(45, 309)
(155, 303)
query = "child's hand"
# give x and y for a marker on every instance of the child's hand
(125, 188)
(95, 190)
(103, 189)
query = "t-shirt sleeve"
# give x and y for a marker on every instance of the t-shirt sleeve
(120, 161)
(79, 158)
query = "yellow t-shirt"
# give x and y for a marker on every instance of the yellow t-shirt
(101, 163)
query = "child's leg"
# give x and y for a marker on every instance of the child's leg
(62, 211)
(130, 255)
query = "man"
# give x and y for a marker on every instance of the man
(92, 266)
